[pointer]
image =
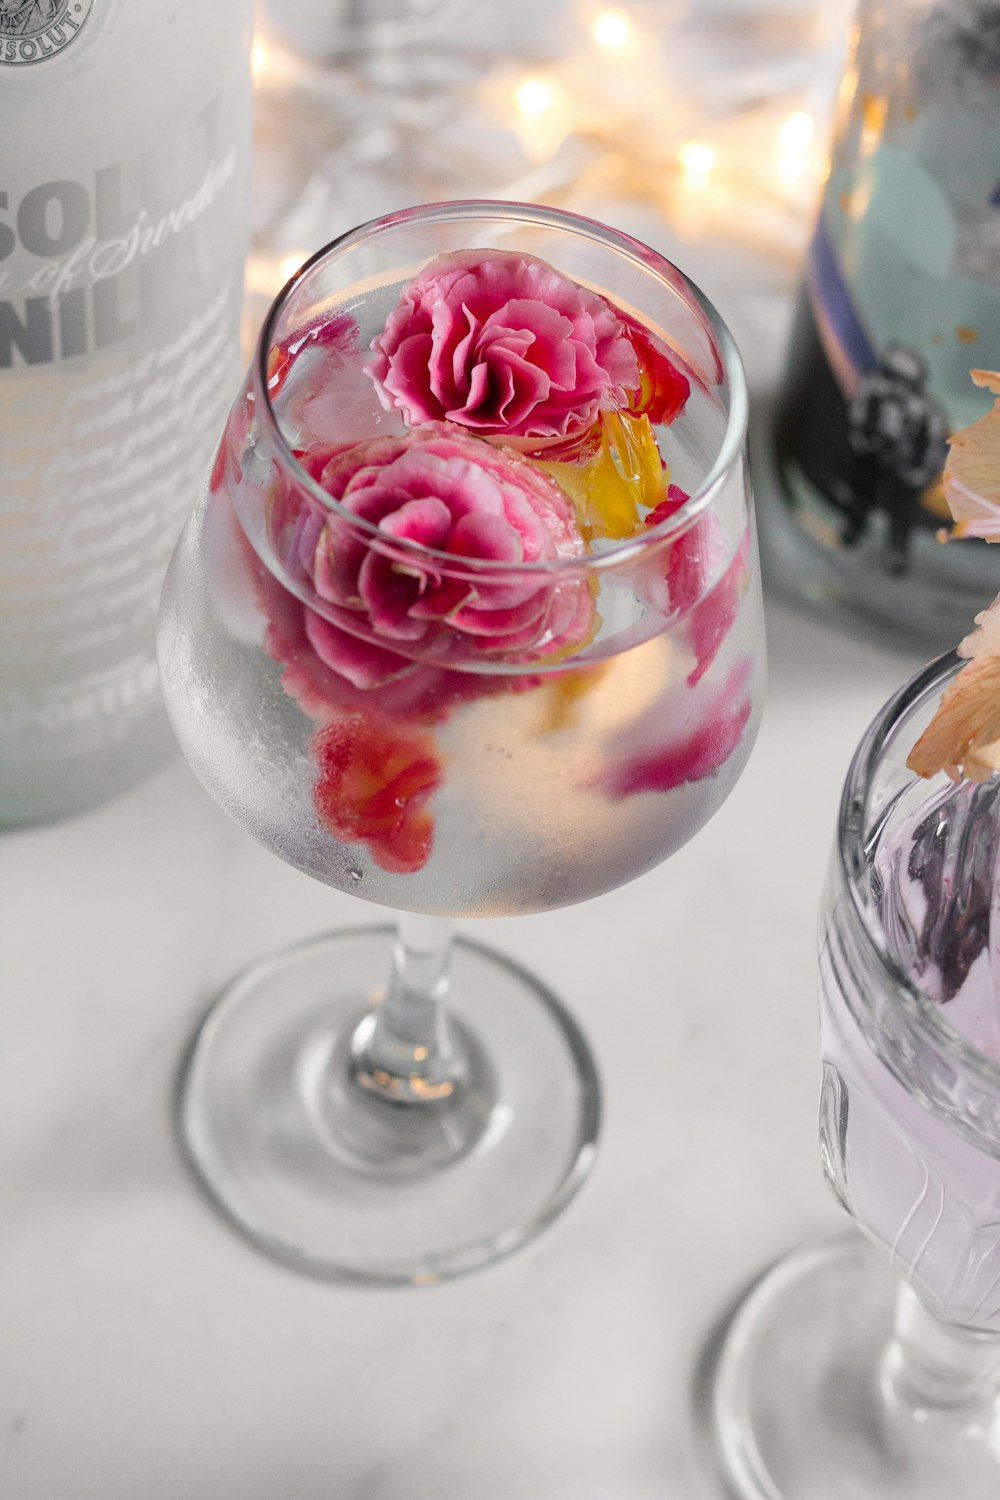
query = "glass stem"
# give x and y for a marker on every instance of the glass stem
(933, 1365)
(406, 1049)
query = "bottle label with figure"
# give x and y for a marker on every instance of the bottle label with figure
(902, 292)
(862, 423)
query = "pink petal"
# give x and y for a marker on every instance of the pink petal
(424, 521)
(695, 557)
(388, 593)
(407, 379)
(712, 618)
(480, 619)
(699, 754)
(362, 663)
(489, 537)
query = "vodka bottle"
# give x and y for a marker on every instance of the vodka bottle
(124, 223)
(901, 299)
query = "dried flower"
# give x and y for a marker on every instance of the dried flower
(972, 473)
(963, 738)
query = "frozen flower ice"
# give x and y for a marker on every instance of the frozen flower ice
(412, 559)
(963, 738)
(500, 343)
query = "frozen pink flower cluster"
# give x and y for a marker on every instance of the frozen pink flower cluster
(450, 547)
(503, 345)
(399, 572)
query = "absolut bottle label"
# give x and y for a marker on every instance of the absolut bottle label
(33, 30)
(120, 304)
(84, 265)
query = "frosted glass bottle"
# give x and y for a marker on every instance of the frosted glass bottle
(901, 299)
(124, 224)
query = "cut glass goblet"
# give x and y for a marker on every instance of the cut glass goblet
(868, 1367)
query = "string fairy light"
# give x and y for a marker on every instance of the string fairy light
(289, 264)
(542, 117)
(613, 31)
(260, 57)
(608, 114)
(534, 96)
(697, 162)
(794, 140)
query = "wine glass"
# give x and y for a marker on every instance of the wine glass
(868, 1366)
(444, 633)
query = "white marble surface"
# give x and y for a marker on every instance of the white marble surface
(146, 1351)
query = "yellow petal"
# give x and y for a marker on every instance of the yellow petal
(625, 473)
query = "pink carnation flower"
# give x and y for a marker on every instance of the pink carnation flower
(316, 658)
(380, 600)
(500, 343)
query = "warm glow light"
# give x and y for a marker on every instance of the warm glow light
(874, 113)
(260, 57)
(534, 97)
(612, 29)
(797, 131)
(791, 168)
(289, 265)
(266, 274)
(794, 139)
(542, 117)
(697, 161)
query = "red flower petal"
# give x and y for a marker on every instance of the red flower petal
(691, 562)
(409, 848)
(676, 497)
(218, 467)
(372, 785)
(713, 616)
(663, 389)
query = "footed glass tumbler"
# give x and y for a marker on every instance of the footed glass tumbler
(868, 1368)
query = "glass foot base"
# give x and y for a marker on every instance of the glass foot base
(802, 1409)
(343, 1183)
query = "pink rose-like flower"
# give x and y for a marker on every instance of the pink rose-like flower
(380, 600)
(397, 688)
(500, 343)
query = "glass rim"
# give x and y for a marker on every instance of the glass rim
(729, 451)
(919, 1008)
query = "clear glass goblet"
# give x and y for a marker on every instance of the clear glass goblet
(453, 704)
(868, 1367)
